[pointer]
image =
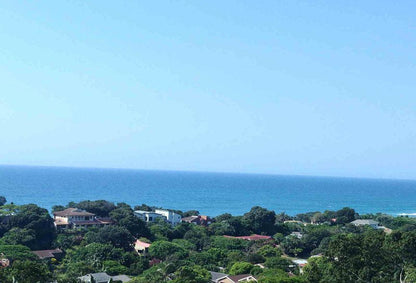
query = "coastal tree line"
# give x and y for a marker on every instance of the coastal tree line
(341, 252)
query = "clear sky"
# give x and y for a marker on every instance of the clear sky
(282, 87)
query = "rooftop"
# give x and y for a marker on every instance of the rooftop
(42, 254)
(364, 222)
(217, 275)
(142, 244)
(237, 278)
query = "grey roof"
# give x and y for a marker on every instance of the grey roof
(123, 278)
(217, 275)
(101, 277)
(364, 222)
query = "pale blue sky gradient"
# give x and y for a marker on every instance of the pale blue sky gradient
(282, 87)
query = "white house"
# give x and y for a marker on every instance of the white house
(369, 222)
(171, 217)
(151, 216)
(148, 216)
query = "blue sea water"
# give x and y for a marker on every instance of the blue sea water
(210, 193)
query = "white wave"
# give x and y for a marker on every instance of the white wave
(407, 214)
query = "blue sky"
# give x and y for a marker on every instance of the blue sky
(281, 87)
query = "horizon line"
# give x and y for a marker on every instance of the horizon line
(211, 172)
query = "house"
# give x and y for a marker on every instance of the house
(202, 220)
(4, 262)
(369, 222)
(238, 279)
(72, 218)
(298, 235)
(301, 263)
(49, 254)
(254, 237)
(151, 216)
(148, 216)
(217, 276)
(141, 247)
(103, 277)
(171, 217)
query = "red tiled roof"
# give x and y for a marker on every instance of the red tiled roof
(142, 244)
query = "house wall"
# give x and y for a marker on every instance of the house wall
(172, 217)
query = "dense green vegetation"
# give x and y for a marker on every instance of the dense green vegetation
(185, 253)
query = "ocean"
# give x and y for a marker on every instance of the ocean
(209, 193)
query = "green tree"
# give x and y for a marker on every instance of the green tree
(163, 249)
(292, 246)
(240, 268)
(260, 220)
(29, 272)
(17, 252)
(278, 263)
(99, 207)
(19, 236)
(345, 215)
(113, 267)
(269, 251)
(118, 236)
(279, 276)
(124, 217)
(192, 274)
(37, 219)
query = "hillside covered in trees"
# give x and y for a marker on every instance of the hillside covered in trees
(335, 249)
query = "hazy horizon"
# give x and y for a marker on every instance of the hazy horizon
(282, 88)
(204, 172)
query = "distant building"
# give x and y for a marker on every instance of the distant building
(238, 279)
(147, 216)
(72, 218)
(4, 262)
(151, 216)
(202, 220)
(298, 235)
(141, 247)
(369, 222)
(254, 237)
(217, 276)
(49, 254)
(103, 277)
(171, 217)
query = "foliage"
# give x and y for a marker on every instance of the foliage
(17, 252)
(98, 207)
(118, 236)
(26, 272)
(35, 222)
(163, 249)
(269, 251)
(241, 268)
(278, 263)
(192, 274)
(260, 220)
